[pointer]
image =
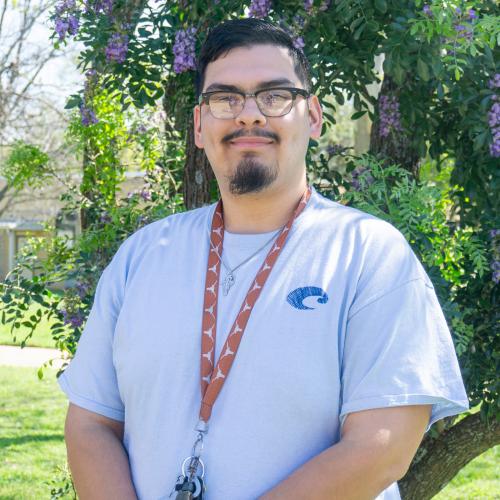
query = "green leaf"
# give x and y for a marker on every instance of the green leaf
(381, 5)
(422, 70)
(358, 115)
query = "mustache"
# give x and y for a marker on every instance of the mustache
(252, 133)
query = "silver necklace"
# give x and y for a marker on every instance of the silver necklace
(229, 280)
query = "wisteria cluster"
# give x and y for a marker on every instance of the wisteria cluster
(361, 178)
(73, 318)
(494, 118)
(117, 47)
(72, 312)
(390, 117)
(298, 43)
(88, 116)
(185, 50)
(67, 19)
(494, 123)
(309, 5)
(335, 149)
(495, 264)
(259, 8)
(494, 82)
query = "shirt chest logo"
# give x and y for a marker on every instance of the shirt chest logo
(296, 297)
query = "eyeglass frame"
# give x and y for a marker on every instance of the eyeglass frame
(205, 99)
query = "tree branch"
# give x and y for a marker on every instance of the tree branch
(440, 459)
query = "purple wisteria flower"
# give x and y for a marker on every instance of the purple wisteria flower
(73, 318)
(494, 83)
(259, 8)
(299, 43)
(117, 48)
(88, 116)
(427, 10)
(458, 11)
(61, 27)
(146, 194)
(66, 19)
(472, 14)
(334, 149)
(390, 117)
(495, 264)
(185, 50)
(361, 178)
(308, 5)
(494, 123)
(73, 25)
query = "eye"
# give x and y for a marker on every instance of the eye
(225, 98)
(275, 96)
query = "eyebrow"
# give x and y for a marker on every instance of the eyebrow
(262, 85)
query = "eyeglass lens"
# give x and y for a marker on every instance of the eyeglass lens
(277, 102)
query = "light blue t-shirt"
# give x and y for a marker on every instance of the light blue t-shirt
(347, 321)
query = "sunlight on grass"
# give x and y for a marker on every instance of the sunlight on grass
(31, 433)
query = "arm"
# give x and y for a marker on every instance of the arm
(376, 449)
(97, 459)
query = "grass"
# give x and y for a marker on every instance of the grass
(480, 479)
(31, 433)
(32, 448)
(41, 336)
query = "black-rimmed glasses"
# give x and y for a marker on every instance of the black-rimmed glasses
(271, 102)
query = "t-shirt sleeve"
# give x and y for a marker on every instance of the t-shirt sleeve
(90, 380)
(397, 347)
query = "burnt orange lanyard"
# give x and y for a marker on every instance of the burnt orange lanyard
(212, 380)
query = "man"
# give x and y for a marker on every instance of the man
(311, 328)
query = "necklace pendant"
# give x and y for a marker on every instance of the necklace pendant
(228, 283)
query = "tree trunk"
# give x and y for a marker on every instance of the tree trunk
(438, 460)
(397, 146)
(198, 175)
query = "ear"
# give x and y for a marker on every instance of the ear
(315, 117)
(198, 140)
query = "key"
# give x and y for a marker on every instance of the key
(190, 489)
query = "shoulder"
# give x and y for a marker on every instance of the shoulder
(349, 222)
(372, 246)
(160, 235)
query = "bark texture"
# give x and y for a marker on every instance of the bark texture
(396, 146)
(198, 173)
(439, 460)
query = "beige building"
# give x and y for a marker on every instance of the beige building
(26, 214)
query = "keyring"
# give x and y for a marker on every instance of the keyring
(200, 462)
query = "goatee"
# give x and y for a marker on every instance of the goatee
(251, 176)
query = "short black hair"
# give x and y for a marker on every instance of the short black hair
(245, 33)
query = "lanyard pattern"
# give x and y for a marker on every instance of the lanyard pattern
(211, 384)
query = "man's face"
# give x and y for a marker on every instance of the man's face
(251, 152)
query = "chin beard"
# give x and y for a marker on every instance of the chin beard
(251, 176)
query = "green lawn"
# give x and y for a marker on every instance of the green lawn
(32, 448)
(41, 337)
(31, 433)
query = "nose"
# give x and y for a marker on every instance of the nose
(251, 114)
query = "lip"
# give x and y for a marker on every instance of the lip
(250, 142)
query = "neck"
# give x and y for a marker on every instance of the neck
(262, 212)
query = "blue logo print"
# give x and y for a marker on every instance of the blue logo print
(296, 298)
